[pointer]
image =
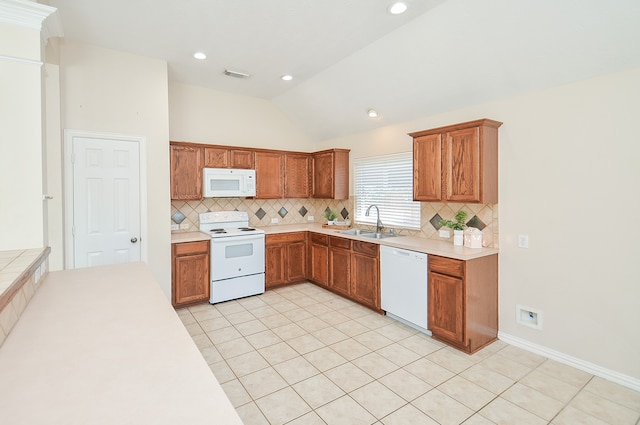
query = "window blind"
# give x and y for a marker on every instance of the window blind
(386, 181)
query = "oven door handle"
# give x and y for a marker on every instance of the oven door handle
(234, 239)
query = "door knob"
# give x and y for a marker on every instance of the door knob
(134, 239)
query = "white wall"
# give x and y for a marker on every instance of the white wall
(114, 92)
(569, 178)
(21, 213)
(202, 115)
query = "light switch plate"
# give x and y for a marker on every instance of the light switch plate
(175, 226)
(311, 218)
(444, 233)
(274, 221)
(184, 226)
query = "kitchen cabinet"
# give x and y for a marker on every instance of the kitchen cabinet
(319, 259)
(190, 272)
(185, 172)
(285, 259)
(269, 175)
(221, 157)
(330, 174)
(457, 163)
(296, 175)
(463, 301)
(354, 270)
(365, 273)
(340, 265)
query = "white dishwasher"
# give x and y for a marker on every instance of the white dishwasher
(403, 286)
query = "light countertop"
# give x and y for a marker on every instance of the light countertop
(179, 237)
(428, 246)
(103, 345)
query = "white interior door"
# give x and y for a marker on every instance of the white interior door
(106, 201)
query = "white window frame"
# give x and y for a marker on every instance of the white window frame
(386, 181)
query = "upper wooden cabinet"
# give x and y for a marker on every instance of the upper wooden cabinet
(457, 163)
(185, 172)
(296, 175)
(330, 174)
(269, 175)
(220, 157)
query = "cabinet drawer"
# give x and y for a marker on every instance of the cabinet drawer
(285, 238)
(340, 242)
(447, 266)
(190, 248)
(366, 248)
(319, 239)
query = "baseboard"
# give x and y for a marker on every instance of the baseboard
(594, 369)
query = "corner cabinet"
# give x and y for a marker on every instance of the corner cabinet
(285, 259)
(185, 172)
(189, 272)
(457, 163)
(330, 174)
(463, 301)
(296, 175)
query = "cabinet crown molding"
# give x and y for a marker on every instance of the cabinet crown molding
(33, 15)
(477, 123)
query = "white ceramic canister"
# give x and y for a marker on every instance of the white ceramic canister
(473, 238)
(458, 237)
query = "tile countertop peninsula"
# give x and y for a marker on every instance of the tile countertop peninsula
(103, 345)
(428, 246)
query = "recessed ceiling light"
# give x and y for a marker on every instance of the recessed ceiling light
(373, 113)
(286, 77)
(397, 8)
(199, 55)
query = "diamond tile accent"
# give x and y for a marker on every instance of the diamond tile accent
(435, 221)
(326, 210)
(476, 222)
(260, 213)
(178, 217)
(303, 211)
(344, 213)
(283, 212)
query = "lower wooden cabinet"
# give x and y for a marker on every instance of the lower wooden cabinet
(319, 259)
(190, 272)
(354, 270)
(285, 259)
(463, 301)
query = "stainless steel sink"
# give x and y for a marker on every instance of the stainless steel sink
(367, 234)
(379, 235)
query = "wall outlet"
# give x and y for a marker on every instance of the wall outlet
(184, 226)
(529, 317)
(274, 221)
(310, 218)
(523, 241)
(175, 226)
(444, 233)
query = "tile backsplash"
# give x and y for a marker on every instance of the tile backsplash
(296, 211)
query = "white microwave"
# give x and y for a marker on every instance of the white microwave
(228, 183)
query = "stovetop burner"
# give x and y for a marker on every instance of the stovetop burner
(246, 229)
(218, 231)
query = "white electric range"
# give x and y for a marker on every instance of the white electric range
(237, 255)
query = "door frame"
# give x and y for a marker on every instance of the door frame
(69, 136)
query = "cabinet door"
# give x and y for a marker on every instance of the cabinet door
(275, 260)
(296, 262)
(446, 307)
(216, 157)
(340, 270)
(365, 279)
(323, 175)
(319, 264)
(269, 169)
(186, 172)
(427, 175)
(242, 159)
(296, 176)
(190, 272)
(461, 165)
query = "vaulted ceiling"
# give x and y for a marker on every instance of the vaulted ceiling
(349, 56)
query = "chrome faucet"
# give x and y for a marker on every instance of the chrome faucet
(378, 222)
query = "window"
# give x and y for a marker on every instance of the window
(386, 181)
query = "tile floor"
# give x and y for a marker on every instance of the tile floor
(301, 355)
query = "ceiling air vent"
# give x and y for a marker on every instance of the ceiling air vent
(236, 74)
